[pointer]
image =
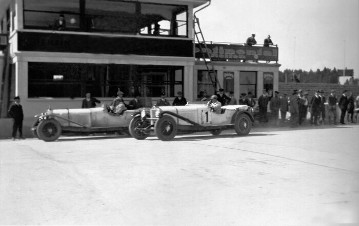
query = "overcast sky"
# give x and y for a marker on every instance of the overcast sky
(311, 34)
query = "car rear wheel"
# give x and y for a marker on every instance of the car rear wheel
(49, 130)
(166, 128)
(136, 128)
(242, 124)
(216, 132)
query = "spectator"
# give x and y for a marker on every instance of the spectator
(214, 104)
(223, 98)
(274, 106)
(343, 105)
(162, 101)
(294, 110)
(242, 100)
(263, 105)
(251, 40)
(16, 112)
(89, 102)
(283, 107)
(202, 96)
(268, 41)
(179, 100)
(303, 107)
(332, 107)
(135, 103)
(315, 108)
(250, 101)
(60, 23)
(350, 109)
(233, 100)
(322, 106)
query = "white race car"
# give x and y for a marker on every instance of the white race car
(166, 121)
(51, 124)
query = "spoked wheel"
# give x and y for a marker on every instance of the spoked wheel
(137, 128)
(216, 132)
(242, 124)
(166, 128)
(49, 130)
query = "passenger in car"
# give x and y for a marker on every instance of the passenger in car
(162, 101)
(118, 105)
(214, 104)
(135, 103)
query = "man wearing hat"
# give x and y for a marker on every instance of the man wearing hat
(16, 112)
(118, 105)
(274, 106)
(343, 105)
(332, 107)
(214, 104)
(179, 100)
(163, 101)
(315, 108)
(223, 98)
(242, 100)
(251, 40)
(263, 106)
(249, 100)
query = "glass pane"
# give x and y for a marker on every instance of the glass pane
(165, 20)
(47, 20)
(53, 6)
(248, 77)
(111, 16)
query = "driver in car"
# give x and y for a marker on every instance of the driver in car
(214, 104)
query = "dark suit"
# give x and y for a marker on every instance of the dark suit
(90, 103)
(315, 105)
(343, 105)
(135, 104)
(17, 114)
(179, 102)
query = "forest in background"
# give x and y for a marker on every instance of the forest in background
(326, 75)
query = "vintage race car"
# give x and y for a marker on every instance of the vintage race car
(51, 124)
(166, 121)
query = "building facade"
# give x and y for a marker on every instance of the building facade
(60, 50)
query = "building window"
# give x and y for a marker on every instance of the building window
(43, 14)
(159, 19)
(206, 83)
(228, 81)
(64, 80)
(248, 82)
(268, 78)
(108, 16)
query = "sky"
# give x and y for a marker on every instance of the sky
(310, 34)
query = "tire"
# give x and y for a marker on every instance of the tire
(134, 128)
(34, 128)
(216, 132)
(242, 124)
(166, 128)
(49, 130)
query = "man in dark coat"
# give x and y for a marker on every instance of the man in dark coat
(263, 106)
(315, 108)
(89, 102)
(343, 105)
(223, 98)
(294, 109)
(322, 106)
(135, 103)
(332, 107)
(268, 41)
(179, 100)
(16, 112)
(251, 40)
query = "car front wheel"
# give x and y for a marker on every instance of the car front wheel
(166, 128)
(49, 130)
(242, 124)
(137, 128)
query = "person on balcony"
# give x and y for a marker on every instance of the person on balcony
(267, 41)
(60, 23)
(251, 40)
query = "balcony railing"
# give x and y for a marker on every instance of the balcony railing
(238, 52)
